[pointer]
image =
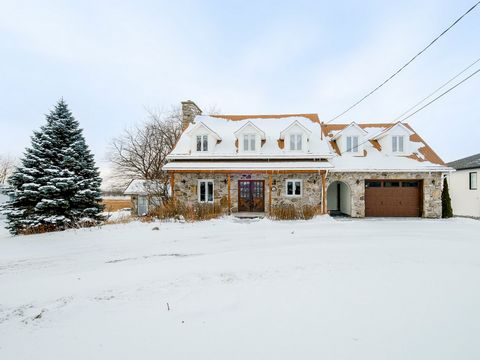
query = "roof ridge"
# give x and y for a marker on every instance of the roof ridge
(311, 116)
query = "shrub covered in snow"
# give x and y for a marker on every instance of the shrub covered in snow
(57, 184)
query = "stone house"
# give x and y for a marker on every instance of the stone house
(253, 163)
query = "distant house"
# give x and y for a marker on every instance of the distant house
(463, 186)
(253, 163)
(145, 195)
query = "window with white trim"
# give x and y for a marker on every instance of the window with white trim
(352, 144)
(249, 141)
(202, 142)
(296, 141)
(398, 145)
(205, 191)
(473, 181)
(293, 187)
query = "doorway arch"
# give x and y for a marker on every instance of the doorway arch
(339, 199)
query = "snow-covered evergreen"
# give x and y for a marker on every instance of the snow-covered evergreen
(57, 184)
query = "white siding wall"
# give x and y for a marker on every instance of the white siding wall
(465, 202)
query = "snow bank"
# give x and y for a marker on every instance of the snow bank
(320, 289)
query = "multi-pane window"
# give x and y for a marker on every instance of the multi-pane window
(249, 142)
(473, 180)
(296, 142)
(398, 144)
(205, 191)
(294, 187)
(202, 142)
(352, 144)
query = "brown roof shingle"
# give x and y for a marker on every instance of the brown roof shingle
(425, 150)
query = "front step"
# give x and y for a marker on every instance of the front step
(249, 215)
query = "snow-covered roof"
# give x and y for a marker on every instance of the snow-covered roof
(142, 187)
(420, 156)
(321, 145)
(248, 165)
(271, 126)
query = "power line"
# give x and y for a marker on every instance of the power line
(442, 94)
(436, 90)
(423, 107)
(404, 66)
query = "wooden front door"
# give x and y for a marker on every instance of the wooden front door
(251, 195)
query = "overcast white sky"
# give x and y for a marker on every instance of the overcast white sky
(111, 59)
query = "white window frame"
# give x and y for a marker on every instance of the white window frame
(202, 142)
(206, 181)
(293, 187)
(251, 139)
(396, 144)
(352, 148)
(294, 144)
(473, 185)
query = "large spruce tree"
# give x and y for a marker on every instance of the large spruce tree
(57, 185)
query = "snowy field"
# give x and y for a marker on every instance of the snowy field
(320, 289)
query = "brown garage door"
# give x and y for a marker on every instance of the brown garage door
(392, 198)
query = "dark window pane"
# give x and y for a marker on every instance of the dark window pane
(202, 191)
(210, 191)
(473, 181)
(199, 143)
(369, 184)
(289, 188)
(409, 183)
(298, 188)
(205, 142)
(391, 184)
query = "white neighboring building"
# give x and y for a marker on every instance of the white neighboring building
(464, 186)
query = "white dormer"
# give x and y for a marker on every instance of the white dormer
(296, 137)
(249, 138)
(350, 139)
(395, 140)
(203, 139)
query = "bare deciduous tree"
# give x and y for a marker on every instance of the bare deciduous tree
(141, 152)
(7, 163)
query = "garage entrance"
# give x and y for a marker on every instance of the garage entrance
(393, 198)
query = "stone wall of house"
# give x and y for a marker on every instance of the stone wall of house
(432, 189)
(186, 188)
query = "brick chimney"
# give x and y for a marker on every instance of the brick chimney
(189, 111)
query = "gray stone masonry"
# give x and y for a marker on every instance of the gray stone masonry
(186, 188)
(432, 188)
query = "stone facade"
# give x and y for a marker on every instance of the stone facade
(186, 188)
(432, 188)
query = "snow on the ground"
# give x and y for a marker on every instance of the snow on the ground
(319, 289)
(118, 215)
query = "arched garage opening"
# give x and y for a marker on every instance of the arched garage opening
(339, 199)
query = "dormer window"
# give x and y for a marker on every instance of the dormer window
(398, 144)
(249, 141)
(352, 144)
(202, 142)
(296, 141)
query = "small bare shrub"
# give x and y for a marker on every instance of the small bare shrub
(176, 209)
(284, 212)
(309, 211)
(292, 212)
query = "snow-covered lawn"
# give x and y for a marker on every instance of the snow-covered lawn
(320, 289)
